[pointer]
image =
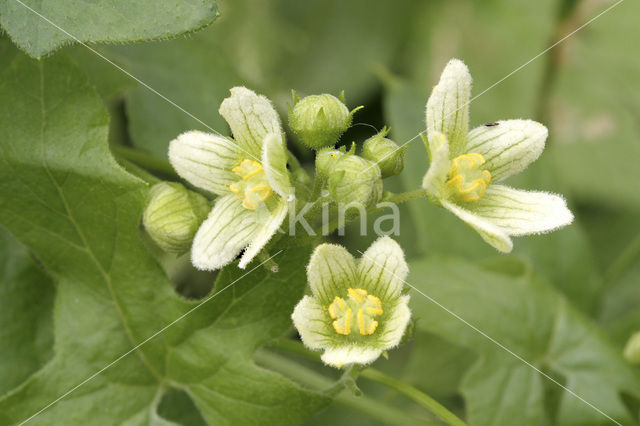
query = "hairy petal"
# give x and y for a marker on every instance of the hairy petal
(448, 105)
(251, 118)
(435, 178)
(395, 325)
(382, 269)
(205, 160)
(229, 228)
(274, 162)
(331, 271)
(508, 146)
(489, 232)
(312, 323)
(265, 230)
(339, 356)
(519, 212)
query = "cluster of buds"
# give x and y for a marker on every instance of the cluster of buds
(319, 121)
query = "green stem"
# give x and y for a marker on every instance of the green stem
(336, 223)
(371, 408)
(567, 17)
(137, 171)
(377, 376)
(144, 160)
(622, 263)
(404, 196)
(420, 397)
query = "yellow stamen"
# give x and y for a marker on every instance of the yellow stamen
(467, 182)
(366, 306)
(253, 187)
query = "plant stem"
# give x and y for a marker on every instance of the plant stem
(420, 397)
(622, 263)
(404, 196)
(137, 171)
(377, 376)
(568, 16)
(373, 409)
(144, 160)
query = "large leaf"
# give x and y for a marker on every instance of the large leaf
(193, 73)
(63, 196)
(26, 301)
(39, 27)
(272, 47)
(527, 316)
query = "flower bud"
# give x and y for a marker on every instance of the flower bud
(319, 120)
(632, 349)
(385, 153)
(354, 180)
(172, 216)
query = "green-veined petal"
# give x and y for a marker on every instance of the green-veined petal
(489, 232)
(313, 324)
(508, 146)
(394, 326)
(331, 272)
(448, 105)
(435, 178)
(229, 228)
(340, 356)
(205, 160)
(519, 212)
(274, 162)
(251, 118)
(265, 230)
(382, 269)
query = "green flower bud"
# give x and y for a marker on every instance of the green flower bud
(385, 153)
(319, 120)
(355, 180)
(172, 216)
(632, 349)
(326, 159)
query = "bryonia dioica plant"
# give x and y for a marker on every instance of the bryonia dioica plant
(357, 309)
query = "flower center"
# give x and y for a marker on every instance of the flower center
(467, 181)
(253, 188)
(356, 313)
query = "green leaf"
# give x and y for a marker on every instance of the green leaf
(106, 21)
(26, 301)
(65, 198)
(282, 45)
(532, 320)
(193, 73)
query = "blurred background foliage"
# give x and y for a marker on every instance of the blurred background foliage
(567, 301)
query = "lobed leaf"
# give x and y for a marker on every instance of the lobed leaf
(65, 198)
(527, 316)
(40, 27)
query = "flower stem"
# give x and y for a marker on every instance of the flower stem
(375, 410)
(138, 171)
(377, 376)
(420, 397)
(622, 263)
(404, 196)
(144, 160)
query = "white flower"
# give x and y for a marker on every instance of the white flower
(248, 173)
(467, 167)
(357, 309)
